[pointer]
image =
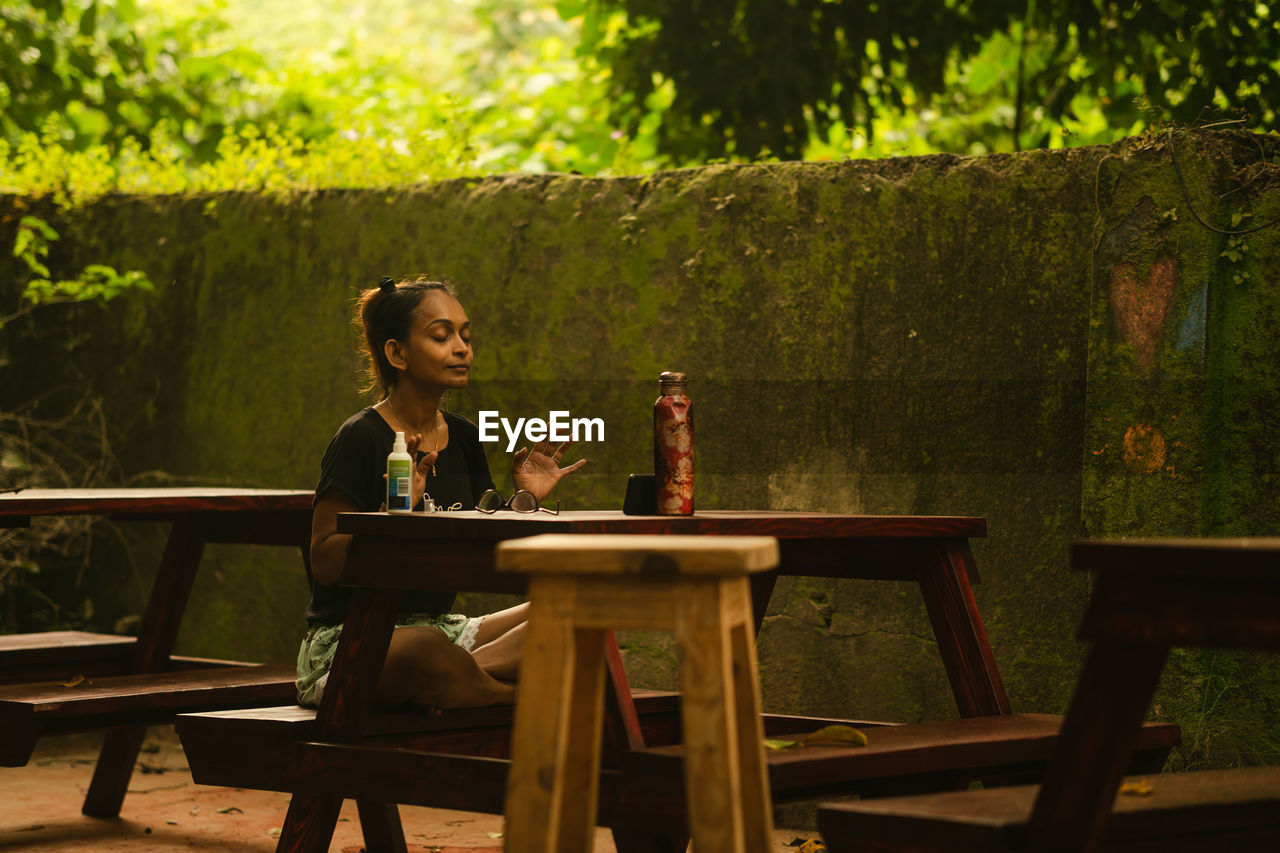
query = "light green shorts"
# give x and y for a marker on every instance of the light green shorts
(320, 645)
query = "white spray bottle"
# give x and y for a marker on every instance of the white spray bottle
(399, 478)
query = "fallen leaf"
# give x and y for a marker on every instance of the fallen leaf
(770, 743)
(75, 682)
(230, 809)
(813, 845)
(495, 834)
(1137, 788)
(839, 735)
(171, 822)
(273, 831)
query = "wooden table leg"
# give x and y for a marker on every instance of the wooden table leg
(156, 637)
(381, 826)
(962, 640)
(344, 708)
(1095, 746)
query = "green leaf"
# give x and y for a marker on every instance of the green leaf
(770, 743)
(89, 20)
(839, 735)
(35, 223)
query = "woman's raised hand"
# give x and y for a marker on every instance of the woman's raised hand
(421, 469)
(539, 470)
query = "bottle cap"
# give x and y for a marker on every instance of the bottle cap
(672, 382)
(399, 446)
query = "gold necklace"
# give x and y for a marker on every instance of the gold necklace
(435, 430)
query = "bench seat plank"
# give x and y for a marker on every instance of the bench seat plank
(1196, 810)
(267, 748)
(62, 655)
(295, 722)
(29, 710)
(979, 746)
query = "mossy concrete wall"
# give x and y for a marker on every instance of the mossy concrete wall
(1008, 336)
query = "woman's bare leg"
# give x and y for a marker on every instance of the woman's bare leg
(501, 657)
(424, 667)
(499, 623)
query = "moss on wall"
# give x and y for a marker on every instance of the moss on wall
(910, 335)
(1182, 389)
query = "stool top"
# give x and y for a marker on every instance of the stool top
(637, 554)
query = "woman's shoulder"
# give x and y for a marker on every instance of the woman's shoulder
(365, 419)
(365, 424)
(463, 425)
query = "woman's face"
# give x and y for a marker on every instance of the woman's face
(438, 351)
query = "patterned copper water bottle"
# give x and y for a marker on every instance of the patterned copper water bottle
(673, 446)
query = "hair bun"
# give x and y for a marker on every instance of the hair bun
(386, 284)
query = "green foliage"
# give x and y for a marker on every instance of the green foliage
(751, 76)
(95, 282)
(84, 60)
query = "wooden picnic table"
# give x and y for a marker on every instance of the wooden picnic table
(1148, 596)
(392, 553)
(138, 680)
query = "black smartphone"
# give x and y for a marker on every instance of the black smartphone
(641, 497)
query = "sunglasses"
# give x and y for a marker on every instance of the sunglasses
(522, 501)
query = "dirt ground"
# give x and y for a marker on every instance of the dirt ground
(166, 812)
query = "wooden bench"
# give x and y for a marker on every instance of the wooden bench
(30, 711)
(458, 760)
(65, 655)
(1149, 595)
(63, 681)
(1208, 810)
(276, 749)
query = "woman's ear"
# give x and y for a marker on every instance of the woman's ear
(395, 354)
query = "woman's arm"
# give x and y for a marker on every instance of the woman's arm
(328, 546)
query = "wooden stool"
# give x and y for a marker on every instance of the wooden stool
(584, 585)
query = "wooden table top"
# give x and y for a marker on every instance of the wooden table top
(149, 501)
(1209, 558)
(475, 525)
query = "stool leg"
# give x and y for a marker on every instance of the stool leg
(757, 804)
(580, 737)
(553, 782)
(714, 782)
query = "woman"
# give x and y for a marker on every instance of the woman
(417, 339)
